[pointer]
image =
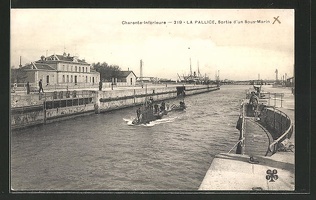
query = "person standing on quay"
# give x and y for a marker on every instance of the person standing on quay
(254, 103)
(100, 86)
(40, 84)
(27, 88)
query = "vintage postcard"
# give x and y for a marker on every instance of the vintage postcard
(152, 100)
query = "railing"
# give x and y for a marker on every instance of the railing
(67, 98)
(34, 86)
(273, 147)
(280, 127)
(241, 142)
(60, 95)
(39, 98)
(275, 97)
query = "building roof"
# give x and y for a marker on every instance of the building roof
(29, 66)
(44, 66)
(124, 74)
(40, 66)
(64, 57)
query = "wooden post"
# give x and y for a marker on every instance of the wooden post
(281, 122)
(274, 99)
(134, 96)
(44, 108)
(97, 103)
(274, 118)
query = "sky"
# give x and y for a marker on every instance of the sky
(202, 38)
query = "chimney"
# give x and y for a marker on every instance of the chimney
(20, 63)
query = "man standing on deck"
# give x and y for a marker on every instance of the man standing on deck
(138, 114)
(163, 106)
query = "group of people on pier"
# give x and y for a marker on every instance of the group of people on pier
(40, 86)
(150, 109)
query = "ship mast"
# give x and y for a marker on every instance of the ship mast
(190, 68)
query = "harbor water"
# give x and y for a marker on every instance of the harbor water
(105, 152)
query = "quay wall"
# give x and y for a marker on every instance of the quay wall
(27, 116)
(35, 109)
(56, 113)
(279, 126)
(107, 101)
(276, 122)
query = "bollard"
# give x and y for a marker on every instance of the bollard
(97, 103)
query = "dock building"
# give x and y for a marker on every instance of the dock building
(127, 77)
(61, 70)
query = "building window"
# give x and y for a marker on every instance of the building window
(71, 78)
(86, 69)
(67, 78)
(71, 67)
(90, 79)
(76, 68)
(63, 78)
(79, 69)
(86, 79)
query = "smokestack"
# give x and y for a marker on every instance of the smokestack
(141, 70)
(20, 63)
